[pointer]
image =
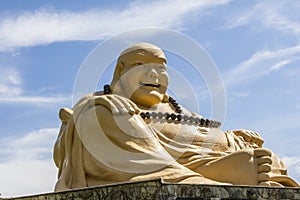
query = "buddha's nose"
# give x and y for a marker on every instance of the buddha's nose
(152, 73)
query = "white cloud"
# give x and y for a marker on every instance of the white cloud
(282, 16)
(45, 26)
(10, 81)
(26, 165)
(262, 63)
(33, 99)
(26, 177)
(31, 145)
(293, 165)
(11, 90)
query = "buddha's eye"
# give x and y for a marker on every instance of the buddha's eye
(137, 64)
(162, 68)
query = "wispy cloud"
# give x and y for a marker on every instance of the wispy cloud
(46, 26)
(26, 163)
(32, 145)
(293, 165)
(34, 99)
(279, 16)
(262, 63)
(10, 81)
(11, 90)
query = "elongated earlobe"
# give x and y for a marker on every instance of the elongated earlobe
(165, 98)
(117, 74)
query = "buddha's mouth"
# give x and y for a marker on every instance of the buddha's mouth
(155, 85)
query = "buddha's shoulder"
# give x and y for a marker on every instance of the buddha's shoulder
(87, 97)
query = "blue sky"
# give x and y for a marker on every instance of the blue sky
(254, 44)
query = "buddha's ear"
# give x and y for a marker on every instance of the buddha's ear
(121, 68)
(165, 98)
(117, 74)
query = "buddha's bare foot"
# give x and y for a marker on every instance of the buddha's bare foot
(264, 161)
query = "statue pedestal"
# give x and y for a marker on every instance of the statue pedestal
(155, 189)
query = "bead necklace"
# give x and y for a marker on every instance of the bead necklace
(177, 116)
(202, 122)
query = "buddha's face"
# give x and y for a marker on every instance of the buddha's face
(144, 79)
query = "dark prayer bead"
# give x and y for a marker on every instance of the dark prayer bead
(160, 115)
(179, 117)
(167, 115)
(173, 116)
(154, 114)
(171, 100)
(143, 115)
(106, 89)
(202, 122)
(147, 115)
(207, 122)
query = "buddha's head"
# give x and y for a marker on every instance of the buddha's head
(141, 75)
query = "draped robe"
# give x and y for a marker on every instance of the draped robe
(95, 147)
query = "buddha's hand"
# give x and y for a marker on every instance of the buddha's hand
(116, 104)
(250, 136)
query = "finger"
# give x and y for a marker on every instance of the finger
(240, 142)
(104, 101)
(262, 152)
(257, 135)
(253, 136)
(127, 105)
(119, 104)
(257, 139)
(131, 110)
(264, 159)
(250, 136)
(243, 134)
(264, 168)
(260, 142)
(135, 107)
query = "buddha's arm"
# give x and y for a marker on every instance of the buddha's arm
(115, 103)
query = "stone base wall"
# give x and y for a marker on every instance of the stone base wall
(155, 189)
